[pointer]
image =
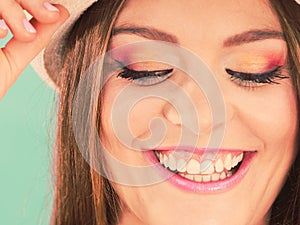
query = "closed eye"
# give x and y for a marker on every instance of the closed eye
(248, 79)
(145, 77)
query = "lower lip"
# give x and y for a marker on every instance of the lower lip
(203, 187)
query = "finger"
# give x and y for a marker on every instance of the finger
(17, 54)
(42, 11)
(15, 19)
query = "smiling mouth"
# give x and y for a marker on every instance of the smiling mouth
(196, 168)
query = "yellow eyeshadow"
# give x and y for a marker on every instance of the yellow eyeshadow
(149, 66)
(252, 64)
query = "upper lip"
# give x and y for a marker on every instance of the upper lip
(202, 150)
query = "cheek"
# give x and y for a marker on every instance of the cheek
(271, 114)
(130, 121)
(141, 116)
(128, 115)
(278, 117)
(110, 125)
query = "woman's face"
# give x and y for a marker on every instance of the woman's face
(240, 43)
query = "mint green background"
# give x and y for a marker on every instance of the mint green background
(25, 147)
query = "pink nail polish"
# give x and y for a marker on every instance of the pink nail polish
(3, 25)
(28, 26)
(50, 7)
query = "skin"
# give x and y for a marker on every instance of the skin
(268, 126)
(260, 117)
(25, 45)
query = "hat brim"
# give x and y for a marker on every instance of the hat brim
(47, 63)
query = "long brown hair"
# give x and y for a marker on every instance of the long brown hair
(81, 195)
(286, 208)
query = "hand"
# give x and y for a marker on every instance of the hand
(29, 37)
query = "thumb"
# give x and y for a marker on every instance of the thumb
(16, 55)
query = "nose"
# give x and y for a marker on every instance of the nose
(191, 102)
(171, 114)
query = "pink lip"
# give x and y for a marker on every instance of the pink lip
(198, 150)
(202, 187)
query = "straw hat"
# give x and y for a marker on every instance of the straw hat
(48, 59)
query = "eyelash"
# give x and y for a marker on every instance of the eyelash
(251, 80)
(254, 79)
(145, 77)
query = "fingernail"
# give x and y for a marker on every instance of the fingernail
(28, 26)
(3, 25)
(50, 7)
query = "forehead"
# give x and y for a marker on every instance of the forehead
(197, 21)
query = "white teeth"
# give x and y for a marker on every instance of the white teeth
(172, 163)
(181, 165)
(234, 161)
(207, 167)
(227, 163)
(206, 171)
(206, 178)
(189, 176)
(198, 178)
(219, 166)
(161, 158)
(166, 161)
(240, 157)
(215, 177)
(222, 176)
(193, 167)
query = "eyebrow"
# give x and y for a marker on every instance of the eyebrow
(252, 36)
(238, 39)
(145, 32)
